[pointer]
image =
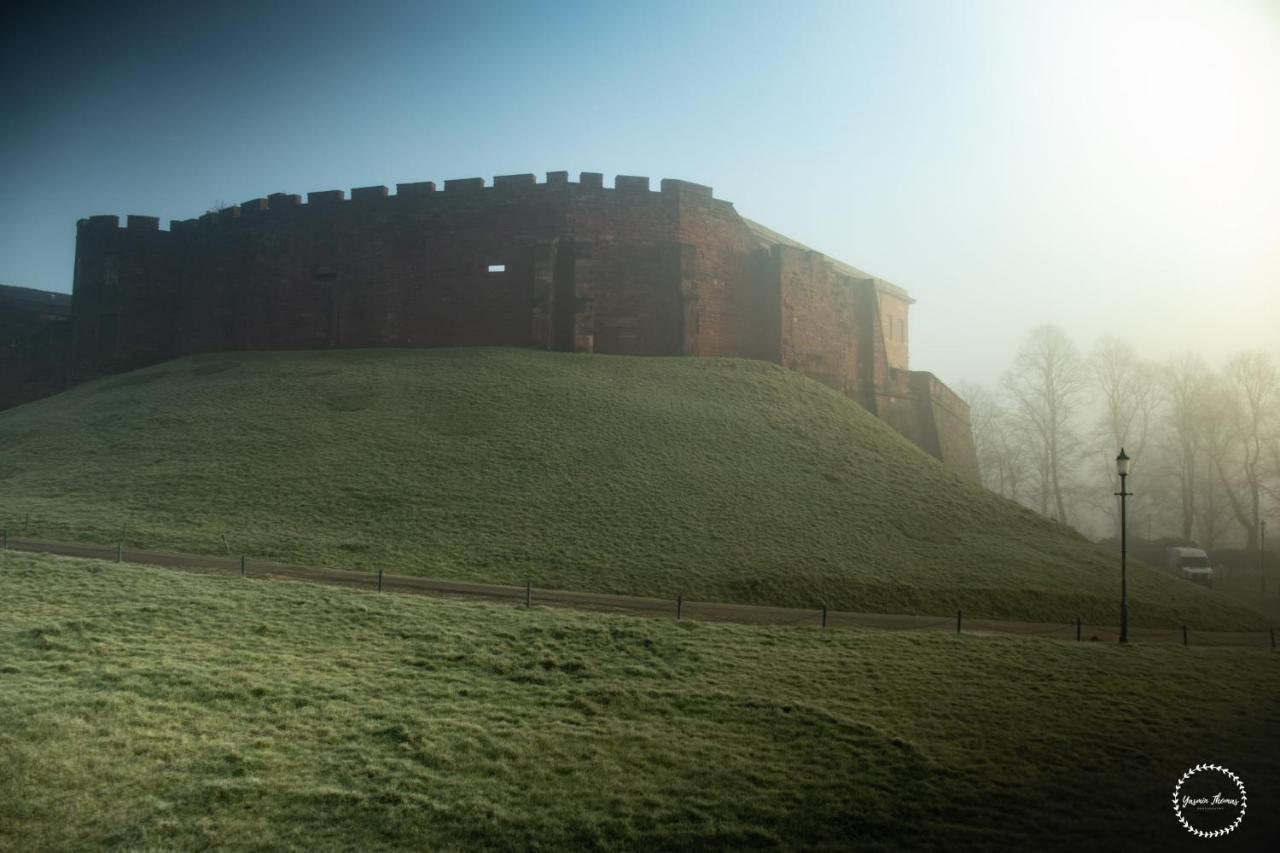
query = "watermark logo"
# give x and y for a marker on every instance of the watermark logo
(1209, 800)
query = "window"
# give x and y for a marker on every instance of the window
(497, 267)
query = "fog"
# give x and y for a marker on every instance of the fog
(1203, 444)
(1136, 196)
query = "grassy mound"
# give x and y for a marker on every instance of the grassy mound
(152, 710)
(720, 479)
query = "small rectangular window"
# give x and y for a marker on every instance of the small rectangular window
(497, 267)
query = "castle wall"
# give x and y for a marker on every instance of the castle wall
(900, 403)
(918, 405)
(950, 415)
(729, 282)
(560, 265)
(410, 269)
(831, 325)
(632, 288)
(35, 335)
(126, 291)
(655, 273)
(893, 326)
(24, 310)
(820, 320)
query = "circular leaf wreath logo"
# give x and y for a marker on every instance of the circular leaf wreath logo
(1209, 800)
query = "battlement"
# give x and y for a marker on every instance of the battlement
(508, 182)
(631, 186)
(143, 223)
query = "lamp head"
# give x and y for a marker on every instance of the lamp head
(1122, 463)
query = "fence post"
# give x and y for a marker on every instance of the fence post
(1273, 638)
(679, 605)
(379, 580)
(1184, 635)
(119, 553)
(1077, 629)
(824, 616)
(957, 621)
(528, 592)
(4, 540)
(242, 565)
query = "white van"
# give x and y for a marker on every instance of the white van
(1190, 564)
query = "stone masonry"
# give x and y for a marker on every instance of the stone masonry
(561, 265)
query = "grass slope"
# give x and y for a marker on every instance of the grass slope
(144, 709)
(721, 479)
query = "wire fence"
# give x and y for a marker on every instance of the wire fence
(679, 608)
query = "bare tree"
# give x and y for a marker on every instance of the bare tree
(1272, 479)
(1129, 395)
(1002, 454)
(982, 423)
(1213, 512)
(1130, 392)
(1045, 387)
(1270, 470)
(1242, 436)
(1186, 386)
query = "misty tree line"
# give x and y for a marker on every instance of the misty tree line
(1204, 444)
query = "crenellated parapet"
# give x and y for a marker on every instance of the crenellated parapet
(454, 190)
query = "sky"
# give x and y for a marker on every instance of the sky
(1110, 167)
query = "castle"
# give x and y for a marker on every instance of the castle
(561, 265)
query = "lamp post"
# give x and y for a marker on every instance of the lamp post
(1122, 468)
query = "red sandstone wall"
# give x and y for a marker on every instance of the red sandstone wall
(410, 269)
(631, 283)
(849, 334)
(951, 428)
(405, 270)
(35, 333)
(893, 325)
(653, 273)
(918, 405)
(623, 270)
(126, 291)
(901, 405)
(729, 282)
(827, 321)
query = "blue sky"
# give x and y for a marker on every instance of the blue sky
(1106, 166)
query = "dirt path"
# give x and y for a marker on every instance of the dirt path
(655, 608)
